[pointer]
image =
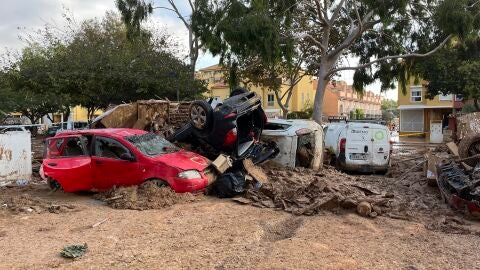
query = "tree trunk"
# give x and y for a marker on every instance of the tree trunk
(284, 113)
(475, 103)
(320, 93)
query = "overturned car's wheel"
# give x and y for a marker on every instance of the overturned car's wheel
(238, 91)
(200, 115)
(468, 147)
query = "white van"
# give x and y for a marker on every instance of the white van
(359, 146)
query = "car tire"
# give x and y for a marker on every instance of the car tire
(159, 183)
(469, 146)
(54, 185)
(200, 115)
(238, 91)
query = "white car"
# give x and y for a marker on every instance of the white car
(358, 146)
(300, 142)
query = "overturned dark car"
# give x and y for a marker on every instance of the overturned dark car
(233, 127)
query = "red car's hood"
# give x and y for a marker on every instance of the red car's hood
(184, 160)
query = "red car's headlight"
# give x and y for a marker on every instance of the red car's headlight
(191, 174)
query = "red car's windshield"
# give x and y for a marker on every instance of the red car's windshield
(151, 144)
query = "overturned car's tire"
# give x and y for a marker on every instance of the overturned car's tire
(229, 185)
(470, 146)
(201, 115)
(238, 91)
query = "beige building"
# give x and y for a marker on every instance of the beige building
(302, 97)
(341, 99)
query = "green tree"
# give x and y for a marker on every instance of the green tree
(454, 70)
(134, 12)
(95, 66)
(378, 32)
(389, 109)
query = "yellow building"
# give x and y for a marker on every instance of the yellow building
(417, 112)
(303, 92)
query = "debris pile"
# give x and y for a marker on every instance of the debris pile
(146, 196)
(26, 203)
(305, 192)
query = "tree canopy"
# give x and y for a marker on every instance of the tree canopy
(384, 35)
(96, 66)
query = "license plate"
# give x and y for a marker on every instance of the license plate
(358, 156)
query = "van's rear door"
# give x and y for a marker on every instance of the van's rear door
(358, 146)
(381, 146)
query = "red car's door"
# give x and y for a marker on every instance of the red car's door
(67, 161)
(113, 164)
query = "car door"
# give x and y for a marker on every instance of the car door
(109, 169)
(358, 145)
(67, 161)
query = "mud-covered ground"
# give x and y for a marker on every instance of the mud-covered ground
(414, 229)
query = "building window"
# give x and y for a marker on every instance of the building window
(459, 97)
(416, 92)
(271, 100)
(445, 97)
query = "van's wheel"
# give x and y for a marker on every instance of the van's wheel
(54, 185)
(201, 115)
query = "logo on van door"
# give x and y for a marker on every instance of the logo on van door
(359, 131)
(379, 135)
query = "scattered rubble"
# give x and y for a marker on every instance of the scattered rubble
(146, 196)
(303, 191)
(25, 203)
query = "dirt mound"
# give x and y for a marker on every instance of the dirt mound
(143, 197)
(306, 192)
(25, 203)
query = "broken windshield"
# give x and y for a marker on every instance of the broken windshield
(151, 144)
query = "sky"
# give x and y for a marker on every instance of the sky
(20, 17)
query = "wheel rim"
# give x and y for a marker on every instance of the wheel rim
(474, 148)
(198, 116)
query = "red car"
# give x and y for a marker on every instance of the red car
(99, 159)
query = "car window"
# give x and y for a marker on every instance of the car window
(151, 144)
(65, 147)
(109, 148)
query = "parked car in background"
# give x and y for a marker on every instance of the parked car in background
(55, 128)
(100, 159)
(4, 129)
(358, 146)
(300, 142)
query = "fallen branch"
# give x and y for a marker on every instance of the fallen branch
(99, 223)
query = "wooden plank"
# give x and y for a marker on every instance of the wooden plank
(453, 148)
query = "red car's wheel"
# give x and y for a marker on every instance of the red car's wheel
(159, 183)
(54, 185)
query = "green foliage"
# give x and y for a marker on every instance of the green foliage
(134, 12)
(96, 66)
(389, 104)
(306, 113)
(454, 70)
(389, 109)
